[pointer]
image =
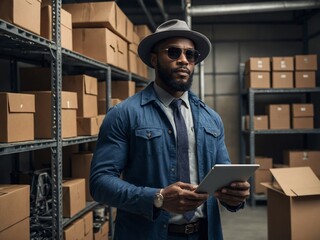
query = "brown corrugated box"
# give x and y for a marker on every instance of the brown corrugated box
(302, 110)
(23, 13)
(75, 231)
(259, 122)
(43, 115)
(19, 231)
(142, 30)
(74, 196)
(102, 233)
(14, 204)
(305, 79)
(279, 116)
(302, 123)
(258, 64)
(122, 51)
(293, 204)
(66, 26)
(306, 62)
(132, 58)
(88, 126)
(282, 64)
(282, 79)
(122, 89)
(88, 226)
(87, 92)
(129, 30)
(17, 117)
(258, 80)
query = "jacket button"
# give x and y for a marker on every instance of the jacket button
(170, 131)
(149, 135)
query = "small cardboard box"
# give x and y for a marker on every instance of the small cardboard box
(282, 64)
(43, 115)
(279, 116)
(258, 80)
(74, 196)
(122, 89)
(14, 204)
(23, 13)
(80, 165)
(102, 233)
(306, 62)
(305, 79)
(86, 88)
(302, 123)
(300, 158)
(293, 204)
(35, 79)
(282, 79)
(20, 230)
(302, 110)
(97, 43)
(88, 126)
(258, 64)
(66, 26)
(259, 122)
(16, 117)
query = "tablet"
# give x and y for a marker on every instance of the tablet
(222, 175)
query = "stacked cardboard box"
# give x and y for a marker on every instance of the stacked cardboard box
(260, 122)
(305, 71)
(82, 228)
(282, 72)
(257, 72)
(302, 116)
(279, 116)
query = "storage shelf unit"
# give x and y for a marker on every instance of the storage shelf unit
(248, 97)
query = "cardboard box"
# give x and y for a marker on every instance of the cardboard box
(86, 88)
(66, 26)
(258, 64)
(14, 204)
(282, 64)
(132, 58)
(23, 13)
(102, 106)
(80, 165)
(74, 231)
(122, 89)
(35, 79)
(87, 126)
(122, 51)
(306, 79)
(293, 204)
(279, 116)
(282, 79)
(258, 80)
(142, 69)
(136, 38)
(129, 30)
(302, 123)
(306, 62)
(74, 197)
(43, 115)
(259, 122)
(302, 110)
(16, 117)
(97, 43)
(302, 158)
(20, 230)
(102, 233)
(88, 226)
(142, 31)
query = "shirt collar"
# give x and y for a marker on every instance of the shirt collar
(166, 98)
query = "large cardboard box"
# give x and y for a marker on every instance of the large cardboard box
(282, 64)
(293, 204)
(97, 43)
(122, 89)
(20, 230)
(302, 158)
(259, 122)
(74, 196)
(302, 110)
(306, 62)
(258, 64)
(16, 117)
(279, 116)
(65, 26)
(87, 91)
(305, 79)
(23, 13)
(282, 79)
(258, 80)
(35, 79)
(14, 204)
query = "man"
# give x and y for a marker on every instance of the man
(150, 155)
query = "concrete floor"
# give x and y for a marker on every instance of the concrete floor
(249, 223)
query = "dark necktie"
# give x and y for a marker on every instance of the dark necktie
(182, 148)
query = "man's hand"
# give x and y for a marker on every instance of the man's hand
(181, 197)
(234, 194)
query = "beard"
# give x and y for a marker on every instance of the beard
(167, 77)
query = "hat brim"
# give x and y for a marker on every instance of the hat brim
(201, 42)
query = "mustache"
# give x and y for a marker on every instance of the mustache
(185, 69)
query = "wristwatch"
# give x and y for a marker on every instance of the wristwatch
(158, 200)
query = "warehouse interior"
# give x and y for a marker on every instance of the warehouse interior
(241, 32)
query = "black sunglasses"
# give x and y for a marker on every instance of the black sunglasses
(174, 53)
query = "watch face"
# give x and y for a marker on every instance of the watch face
(158, 200)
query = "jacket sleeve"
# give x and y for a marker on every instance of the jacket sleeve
(109, 160)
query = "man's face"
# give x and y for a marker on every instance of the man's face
(174, 75)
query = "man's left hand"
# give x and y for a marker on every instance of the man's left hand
(234, 194)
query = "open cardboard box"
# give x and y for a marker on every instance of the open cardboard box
(293, 204)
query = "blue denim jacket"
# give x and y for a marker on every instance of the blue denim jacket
(135, 156)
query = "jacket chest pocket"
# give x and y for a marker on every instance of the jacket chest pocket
(148, 141)
(211, 138)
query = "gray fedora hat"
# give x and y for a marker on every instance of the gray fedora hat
(170, 29)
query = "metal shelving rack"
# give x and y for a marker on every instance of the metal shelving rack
(249, 95)
(18, 44)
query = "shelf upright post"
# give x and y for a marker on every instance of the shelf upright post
(252, 142)
(108, 87)
(56, 157)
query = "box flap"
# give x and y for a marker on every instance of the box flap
(21, 102)
(297, 181)
(91, 85)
